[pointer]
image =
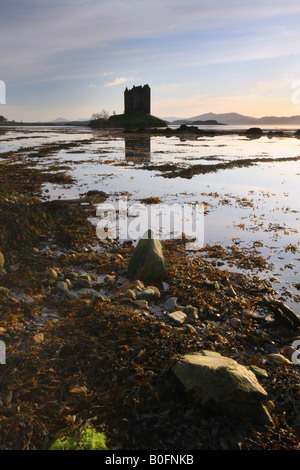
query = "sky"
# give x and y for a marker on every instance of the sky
(73, 58)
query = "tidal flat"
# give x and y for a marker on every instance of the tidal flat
(252, 205)
(60, 284)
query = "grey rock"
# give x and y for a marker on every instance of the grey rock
(191, 312)
(147, 261)
(84, 281)
(90, 293)
(222, 385)
(62, 286)
(146, 294)
(143, 304)
(171, 304)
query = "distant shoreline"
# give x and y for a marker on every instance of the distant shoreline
(173, 130)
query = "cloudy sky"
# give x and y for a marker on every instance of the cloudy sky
(73, 58)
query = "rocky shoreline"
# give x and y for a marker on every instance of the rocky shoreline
(194, 357)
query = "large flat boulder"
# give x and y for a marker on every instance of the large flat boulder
(147, 261)
(221, 385)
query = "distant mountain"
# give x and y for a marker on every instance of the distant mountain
(60, 120)
(226, 118)
(172, 119)
(279, 120)
(240, 119)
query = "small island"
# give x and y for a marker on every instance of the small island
(137, 102)
(128, 121)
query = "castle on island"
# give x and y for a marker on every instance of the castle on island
(137, 112)
(137, 100)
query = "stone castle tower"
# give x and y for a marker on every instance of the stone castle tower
(137, 100)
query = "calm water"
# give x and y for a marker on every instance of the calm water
(243, 206)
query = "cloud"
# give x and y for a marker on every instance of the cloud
(39, 37)
(117, 81)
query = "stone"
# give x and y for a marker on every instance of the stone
(254, 132)
(279, 360)
(191, 312)
(171, 304)
(155, 290)
(110, 279)
(222, 385)
(190, 328)
(52, 274)
(38, 338)
(235, 323)
(141, 304)
(62, 286)
(124, 287)
(90, 293)
(69, 283)
(14, 268)
(259, 372)
(1, 261)
(130, 294)
(146, 294)
(147, 261)
(84, 281)
(177, 317)
(138, 284)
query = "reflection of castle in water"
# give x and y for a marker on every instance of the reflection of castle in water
(138, 149)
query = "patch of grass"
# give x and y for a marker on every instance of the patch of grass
(89, 439)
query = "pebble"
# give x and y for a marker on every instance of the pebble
(13, 268)
(88, 292)
(178, 316)
(141, 304)
(62, 286)
(110, 279)
(52, 274)
(190, 328)
(130, 294)
(139, 284)
(146, 294)
(259, 372)
(38, 338)
(270, 406)
(155, 290)
(84, 281)
(127, 285)
(171, 304)
(191, 312)
(235, 323)
(69, 283)
(278, 359)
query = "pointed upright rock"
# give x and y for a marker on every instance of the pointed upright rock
(147, 261)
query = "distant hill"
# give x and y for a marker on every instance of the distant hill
(240, 119)
(60, 120)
